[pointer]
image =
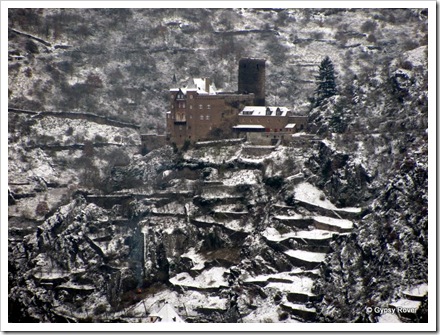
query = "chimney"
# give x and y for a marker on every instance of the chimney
(207, 84)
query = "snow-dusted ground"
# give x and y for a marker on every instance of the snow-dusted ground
(308, 193)
(197, 259)
(300, 307)
(212, 278)
(83, 130)
(298, 285)
(388, 318)
(243, 177)
(184, 303)
(307, 256)
(266, 313)
(315, 234)
(417, 291)
(233, 224)
(406, 304)
(171, 208)
(218, 192)
(294, 216)
(341, 223)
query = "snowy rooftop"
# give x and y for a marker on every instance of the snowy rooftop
(201, 85)
(264, 111)
(249, 126)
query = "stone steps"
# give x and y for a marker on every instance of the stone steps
(301, 311)
(306, 246)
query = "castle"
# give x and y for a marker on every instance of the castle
(199, 111)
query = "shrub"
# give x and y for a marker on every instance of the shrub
(368, 26)
(94, 81)
(69, 131)
(28, 72)
(99, 138)
(42, 208)
(275, 182)
(32, 47)
(371, 38)
(88, 150)
(407, 65)
(186, 145)
(100, 309)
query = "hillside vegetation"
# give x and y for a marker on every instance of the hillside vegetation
(229, 231)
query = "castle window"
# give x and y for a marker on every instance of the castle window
(190, 106)
(201, 117)
(208, 106)
(190, 96)
(207, 117)
(200, 106)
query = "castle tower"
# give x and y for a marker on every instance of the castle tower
(252, 77)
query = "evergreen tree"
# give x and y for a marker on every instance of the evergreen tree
(326, 85)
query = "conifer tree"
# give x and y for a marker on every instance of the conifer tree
(326, 84)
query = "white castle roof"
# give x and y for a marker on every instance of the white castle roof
(263, 111)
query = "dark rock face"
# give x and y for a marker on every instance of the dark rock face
(345, 182)
(386, 253)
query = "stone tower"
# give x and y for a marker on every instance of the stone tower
(252, 77)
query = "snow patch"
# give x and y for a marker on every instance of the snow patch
(342, 223)
(308, 256)
(197, 259)
(212, 278)
(243, 177)
(316, 234)
(308, 193)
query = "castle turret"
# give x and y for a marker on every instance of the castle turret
(252, 77)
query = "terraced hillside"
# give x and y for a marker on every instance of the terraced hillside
(220, 237)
